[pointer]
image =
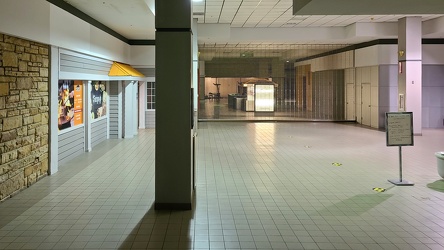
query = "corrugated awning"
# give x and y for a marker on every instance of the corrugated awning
(121, 69)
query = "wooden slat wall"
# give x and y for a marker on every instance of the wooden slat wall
(150, 119)
(71, 144)
(113, 109)
(78, 64)
(98, 131)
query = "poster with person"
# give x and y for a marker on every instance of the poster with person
(98, 99)
(70, 103)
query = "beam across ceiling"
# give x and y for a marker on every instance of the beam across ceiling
(367, 7)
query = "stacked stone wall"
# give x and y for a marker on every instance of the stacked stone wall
(24, 113)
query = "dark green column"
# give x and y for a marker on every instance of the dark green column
(174, 168)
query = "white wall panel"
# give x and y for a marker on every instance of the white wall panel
(385, 30)
(376, 55)
(26, 19)
(40, 21)
(108, 47)
(433, 96)
(358, 89)
(387, 54)
(374, 76)
(337, 61)
(433, 54)
(366, 56)
(143, 56)
(68, 31)
(368, 75)
(388, 91)
(374, 105)
(350, 75)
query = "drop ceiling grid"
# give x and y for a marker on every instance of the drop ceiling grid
(279, 13)
(213, 11)
(250, 13)
(237, 13)
(322, 22)
(335, 20)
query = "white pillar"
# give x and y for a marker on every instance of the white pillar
(142, 105)
(128, 131)
(120, 108)
(53, 111)
(87, 117)
(135, 106)
(410, 69)
(107, 110)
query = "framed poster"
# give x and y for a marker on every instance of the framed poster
(399, 128)
(99, 99)
(70, 103)
(78, 104)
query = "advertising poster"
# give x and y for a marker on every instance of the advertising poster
(78, 104)
(70, 104)
(98, 99)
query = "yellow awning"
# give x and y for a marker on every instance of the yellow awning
(121, 69)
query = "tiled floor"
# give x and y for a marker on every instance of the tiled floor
(259, 186)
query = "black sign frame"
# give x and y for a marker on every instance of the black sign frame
(399, 128)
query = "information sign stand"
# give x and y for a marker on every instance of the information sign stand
(399, 132)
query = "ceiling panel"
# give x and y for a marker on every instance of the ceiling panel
(367, 7)
(134, 20)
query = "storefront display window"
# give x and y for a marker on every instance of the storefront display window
(150, 95)
(264, 100)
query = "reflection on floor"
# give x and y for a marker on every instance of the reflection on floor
(218, 109)
(259, 186)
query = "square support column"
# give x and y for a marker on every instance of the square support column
(410, 69)
(174, 151)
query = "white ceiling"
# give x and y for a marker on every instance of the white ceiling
(134, 20)
(278, 13)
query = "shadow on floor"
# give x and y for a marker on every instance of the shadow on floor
(355, 205)
(437, 185)
(164, 229)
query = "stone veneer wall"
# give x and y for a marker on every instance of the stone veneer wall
(24, 113)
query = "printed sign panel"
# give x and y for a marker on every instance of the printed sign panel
(98, 99)
(70, 104)
(399, 128)
(78, 104)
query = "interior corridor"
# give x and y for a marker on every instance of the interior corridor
(265, 185)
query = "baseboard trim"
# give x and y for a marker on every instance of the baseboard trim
(172, 206)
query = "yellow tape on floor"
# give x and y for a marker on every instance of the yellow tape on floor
(380, 190)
